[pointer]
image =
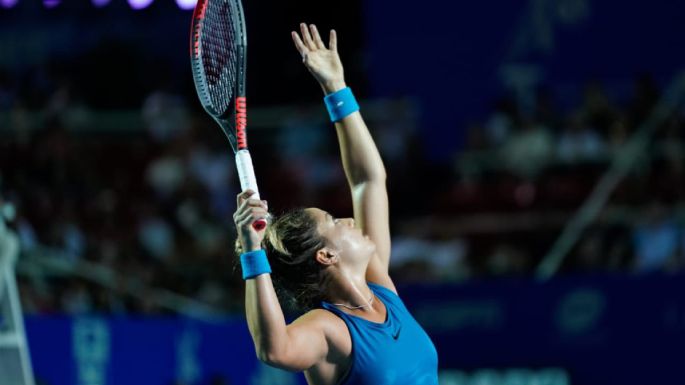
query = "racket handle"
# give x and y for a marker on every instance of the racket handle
(248, 181)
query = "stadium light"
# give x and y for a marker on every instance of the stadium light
(100, 3)
(139, 4)
(51, 3)
(8, 3)
(186, 4)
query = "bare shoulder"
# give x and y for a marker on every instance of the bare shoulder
(321, 319)
(332, 326)
(316, 317)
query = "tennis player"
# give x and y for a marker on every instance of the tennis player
(355, 329)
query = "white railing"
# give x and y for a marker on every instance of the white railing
(15, 362)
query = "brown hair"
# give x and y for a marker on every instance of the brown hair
(291, 243)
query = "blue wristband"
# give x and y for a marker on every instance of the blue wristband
(340, 104)
(254, 263)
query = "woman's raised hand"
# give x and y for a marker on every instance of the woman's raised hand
(324, 63)
(249, 211)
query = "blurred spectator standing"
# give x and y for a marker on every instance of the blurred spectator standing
(579, 143)
(656, 240)
(529, 149)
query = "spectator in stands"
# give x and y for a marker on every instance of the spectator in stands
(529, 149)
(655, 239)
(578, 142)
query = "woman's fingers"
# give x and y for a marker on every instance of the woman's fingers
(333, 41)
(248, 207)
(307, 37)
(317, 38)
(243, 199)
(250, 215)
(248, 204)
(243, 196)
(301, 48)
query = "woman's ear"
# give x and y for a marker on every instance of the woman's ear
(327, 257)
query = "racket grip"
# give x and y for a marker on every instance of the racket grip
(248, 181)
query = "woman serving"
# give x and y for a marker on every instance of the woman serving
(355, 329)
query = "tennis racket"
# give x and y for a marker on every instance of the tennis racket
(218, 52)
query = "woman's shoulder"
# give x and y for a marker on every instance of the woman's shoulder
(333, 327)
(387, 290)
(388, 295)
(323, 319)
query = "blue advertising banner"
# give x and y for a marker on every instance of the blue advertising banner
(591, 330)
(151, 351)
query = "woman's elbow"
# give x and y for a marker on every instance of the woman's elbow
(268, 357)
(375, 176)
(264, 357)
(277, 361)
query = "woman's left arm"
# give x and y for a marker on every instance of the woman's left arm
(366, 177)
(360, 158)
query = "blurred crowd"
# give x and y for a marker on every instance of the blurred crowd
(541, 160)
(154, 203)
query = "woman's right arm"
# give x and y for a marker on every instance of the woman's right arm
(297, 346)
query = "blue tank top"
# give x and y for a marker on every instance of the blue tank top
(396, 352)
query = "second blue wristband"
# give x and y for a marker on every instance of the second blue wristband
(254, 263)
(341, 104)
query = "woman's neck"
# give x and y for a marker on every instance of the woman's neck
(349, 292)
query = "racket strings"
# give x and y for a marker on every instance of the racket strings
(219, 44)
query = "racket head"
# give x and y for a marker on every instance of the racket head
(218, 46)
